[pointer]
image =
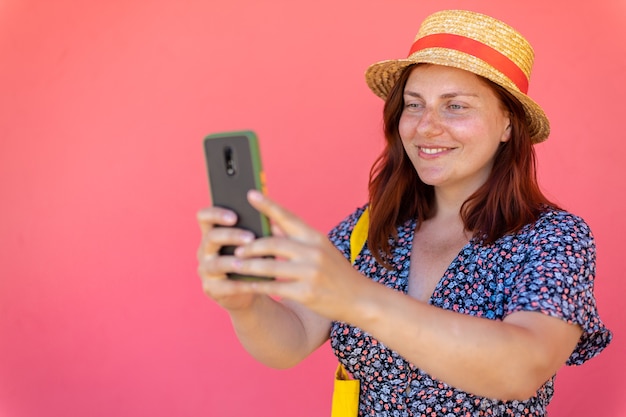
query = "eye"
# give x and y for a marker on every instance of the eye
(413, 105)
(455, 106)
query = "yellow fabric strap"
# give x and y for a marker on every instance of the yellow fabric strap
(359, 235)
(345, 395)
(346, 390)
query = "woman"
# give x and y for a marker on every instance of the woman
(473, 288)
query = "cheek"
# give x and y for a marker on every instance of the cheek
(406, 133)
(405, 126)
(502, 128)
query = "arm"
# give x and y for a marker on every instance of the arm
(506, 359)
(279, 334)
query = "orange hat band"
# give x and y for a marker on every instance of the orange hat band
(472, 47)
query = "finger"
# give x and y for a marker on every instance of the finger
(210, 216)
(304, 269)
(277, 231)
(215, 282)
(282, 288)
(217, 237)
(287, 221)
(212, 267)
(281, 248)
(219, 287)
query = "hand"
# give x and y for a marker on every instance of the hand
(212, 267)
(309, 269)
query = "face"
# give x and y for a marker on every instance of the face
(451, 126)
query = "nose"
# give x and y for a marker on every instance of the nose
(429, 123)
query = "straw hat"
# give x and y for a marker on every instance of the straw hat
(476, 43)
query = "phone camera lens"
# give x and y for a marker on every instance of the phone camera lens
(230, 161)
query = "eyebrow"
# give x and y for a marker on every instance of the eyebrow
(446, 95)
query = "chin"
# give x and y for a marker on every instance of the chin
(430, 180)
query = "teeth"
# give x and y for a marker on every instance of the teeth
(432, 151)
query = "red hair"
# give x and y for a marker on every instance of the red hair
(508, 200)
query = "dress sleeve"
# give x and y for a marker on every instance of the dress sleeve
(558, 280)
(340, 234)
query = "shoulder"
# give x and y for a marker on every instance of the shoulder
(560, 226)
(558, 241)
(556, 236)
(340, 234)
(560, 218)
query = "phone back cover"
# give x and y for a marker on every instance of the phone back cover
(229, 184)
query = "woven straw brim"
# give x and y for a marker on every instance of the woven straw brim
(480, 28)
(382, 76)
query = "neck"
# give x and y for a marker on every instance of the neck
(448, 204)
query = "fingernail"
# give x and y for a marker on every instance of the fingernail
(247, 237)
(230, 217)
(255, 195)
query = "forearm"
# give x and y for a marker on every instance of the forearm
(489, 358)
(274, 333)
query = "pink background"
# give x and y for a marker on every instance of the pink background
(103, 107)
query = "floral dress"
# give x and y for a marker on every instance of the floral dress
(548, 267)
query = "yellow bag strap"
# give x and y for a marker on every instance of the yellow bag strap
(359, 235)
(346, 391)
(341, 374)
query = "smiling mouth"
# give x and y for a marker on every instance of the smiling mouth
(433, 151)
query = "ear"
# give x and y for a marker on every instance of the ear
(506, 135)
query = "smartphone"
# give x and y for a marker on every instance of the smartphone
(234, 167)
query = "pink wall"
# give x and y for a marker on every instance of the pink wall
(103, 106)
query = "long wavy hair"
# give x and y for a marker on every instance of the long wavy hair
(508, 200)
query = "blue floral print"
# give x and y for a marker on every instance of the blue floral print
(548, 266)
